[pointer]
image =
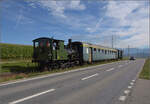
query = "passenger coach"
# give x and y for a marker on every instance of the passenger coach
(89, 52)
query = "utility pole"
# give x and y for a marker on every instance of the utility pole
(137, 53)
(149, 30)
(112, 41)
(149, 38)
(143, 53)
(128, 51)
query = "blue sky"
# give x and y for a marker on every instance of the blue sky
(82, 20)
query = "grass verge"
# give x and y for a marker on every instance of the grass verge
(26, 69)
(145, 73)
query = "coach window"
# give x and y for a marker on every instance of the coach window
(36, 44)
(97, 50)
(57, 45)
(48, 44)
(105, 51)
(41, 44)
(54, 46)
(87, 50)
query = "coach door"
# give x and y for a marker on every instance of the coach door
(90, 54)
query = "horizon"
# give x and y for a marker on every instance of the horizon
(87, 21)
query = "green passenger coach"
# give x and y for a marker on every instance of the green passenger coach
(92, 52)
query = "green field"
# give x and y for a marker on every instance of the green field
(145, 73)
(14, 51)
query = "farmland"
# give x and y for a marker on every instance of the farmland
(14, 51)
(15, 61)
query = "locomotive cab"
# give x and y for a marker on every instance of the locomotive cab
(42, 49)
(48, 50)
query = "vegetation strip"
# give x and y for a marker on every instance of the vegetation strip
(15, 51)
(145, 73)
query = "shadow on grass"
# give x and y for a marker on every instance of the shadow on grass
(24, 67)
(19, 69)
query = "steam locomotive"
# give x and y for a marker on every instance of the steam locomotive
(52, 53)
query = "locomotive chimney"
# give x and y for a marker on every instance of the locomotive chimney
(69, 42)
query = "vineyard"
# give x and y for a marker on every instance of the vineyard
(14, 51)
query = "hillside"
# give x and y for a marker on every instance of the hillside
(137, 52)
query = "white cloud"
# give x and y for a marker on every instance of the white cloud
(139, 40)
(21, 19)
(96, 27)
(121, 9)
(57, 8)
(133, 14)
(32, 5)
(76, 5)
